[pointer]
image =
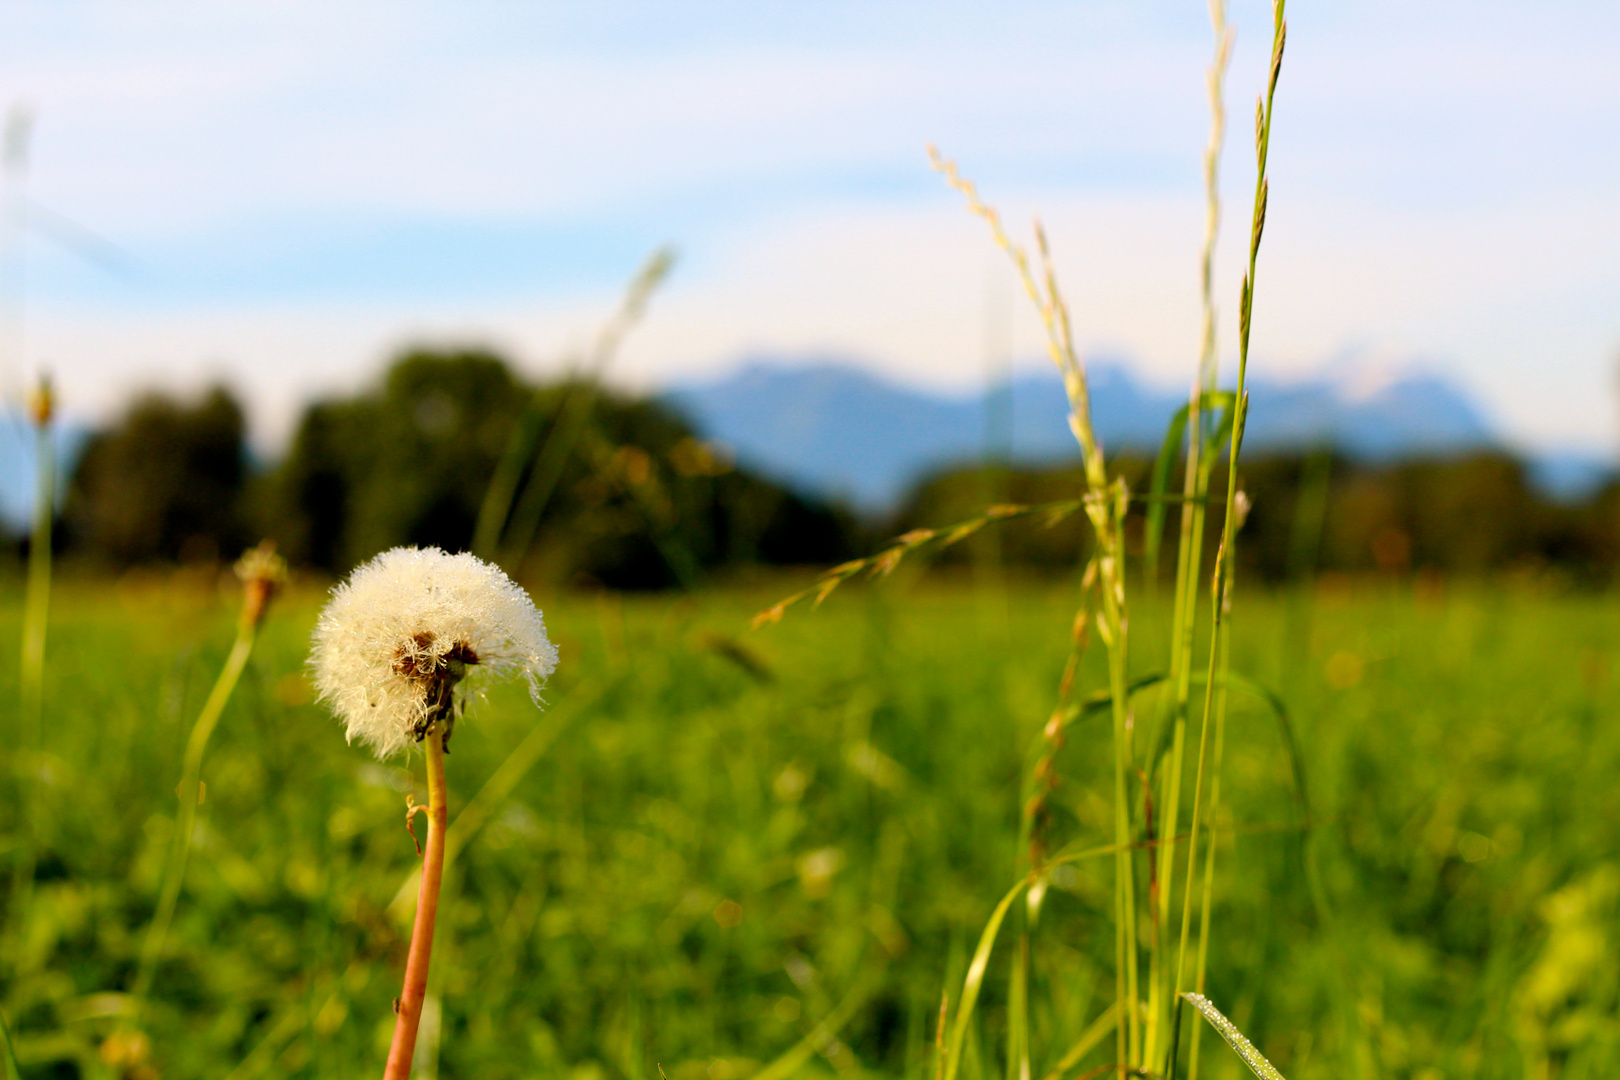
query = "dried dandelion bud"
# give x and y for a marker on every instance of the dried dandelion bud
(411, 624)
(42, 402)
(262, 573)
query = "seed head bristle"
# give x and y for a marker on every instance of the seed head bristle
(410, 626)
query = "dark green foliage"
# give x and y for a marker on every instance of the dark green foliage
(404, 464)
(1470, 514)
(641, 502)
(163, 483)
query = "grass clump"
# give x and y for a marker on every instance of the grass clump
(1147, 773)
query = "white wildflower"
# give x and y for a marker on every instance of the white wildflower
(407, 627)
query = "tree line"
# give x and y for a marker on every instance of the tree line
(622, 491)
(635, 500)
(1465, 514)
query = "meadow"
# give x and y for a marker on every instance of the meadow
(730, 854)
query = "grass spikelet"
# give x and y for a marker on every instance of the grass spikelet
(886, 561)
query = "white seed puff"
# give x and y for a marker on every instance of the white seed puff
(412, 611)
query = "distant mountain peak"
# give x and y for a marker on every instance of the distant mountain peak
(832, 426)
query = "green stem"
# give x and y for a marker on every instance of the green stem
(31, 674)
(8, 1053)
(1125, 944)
(190, 793)
(1196, 481)
(1207, 901)
(1225, 554)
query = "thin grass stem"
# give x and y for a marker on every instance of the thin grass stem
(10, 1053)
(1220, 653)
(510, 514)
(1195, 485)
(806, 1048)
(1208, 899)
(1088, 1040)
(31, 673)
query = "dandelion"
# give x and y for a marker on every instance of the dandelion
(407, 628)
(263, 573)
(392, 647)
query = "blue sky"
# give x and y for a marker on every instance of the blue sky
(300, 187)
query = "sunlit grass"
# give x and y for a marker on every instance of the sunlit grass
(852, 811)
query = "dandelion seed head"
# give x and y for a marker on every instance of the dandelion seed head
(410, 624)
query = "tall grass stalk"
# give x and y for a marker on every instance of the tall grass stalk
(511, 511)
(1207, 898)
(1195, 487)
(1105, 503)
(1215, 697)
(31, 673)
(7, 1053)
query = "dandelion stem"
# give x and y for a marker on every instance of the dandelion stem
(414, 993)
(191, 795)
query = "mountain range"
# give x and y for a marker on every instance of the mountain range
(831, 427)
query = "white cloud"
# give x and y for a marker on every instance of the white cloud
(1443, 184)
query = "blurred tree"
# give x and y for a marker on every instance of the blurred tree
(640, 502)
(163, 483)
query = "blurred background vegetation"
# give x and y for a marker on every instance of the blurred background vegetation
(641, 501)
(636, 498)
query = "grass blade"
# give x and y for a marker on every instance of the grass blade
(1089, 1040)
(509, 508)
(12, 1071)
(1254, 1059)
(975, 979)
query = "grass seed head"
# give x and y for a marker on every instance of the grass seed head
(411, 624)
(42, 403)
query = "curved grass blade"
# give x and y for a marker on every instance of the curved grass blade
(509, 509)
(975, 979)
(12, 1071)
(1296, 759)
(1092, 1037)
(1254, 1059)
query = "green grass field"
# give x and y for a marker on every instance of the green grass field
(717, 845)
